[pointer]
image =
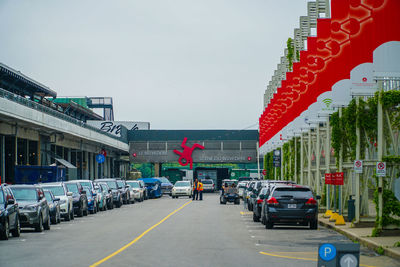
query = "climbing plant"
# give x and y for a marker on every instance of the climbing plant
(290, 54)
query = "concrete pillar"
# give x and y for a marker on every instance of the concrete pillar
(328, 162)
(157, 169)
(318, 159)
(91, 169)
(86, 170)
(295, 159)
(301, 159)
(340, 170)
(357, 175)
(96, 169)
(3, 159)
(309, 155)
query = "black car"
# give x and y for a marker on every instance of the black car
(124, 189)
(255, 191)
(80, 201)
(258, 204)
(33, 209)
(54, 206)
(9, 214)
(116, 193)
(291, 204)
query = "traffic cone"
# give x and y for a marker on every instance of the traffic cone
(340, 220)
(328, 214)
(334, 217)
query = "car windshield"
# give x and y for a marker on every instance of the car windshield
(1, 197)
(56, 190)
(134, 184)
(292, 192)
(72, 188)
(207, 182)
(182, 183)
(120, 184)
(150, 184)
(48, 196)
(86, 184)
(242, 185)
(112, 184)
(23, 194)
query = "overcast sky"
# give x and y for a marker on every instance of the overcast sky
(178, 64)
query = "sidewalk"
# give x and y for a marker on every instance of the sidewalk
(363, 236)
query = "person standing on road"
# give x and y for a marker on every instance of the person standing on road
(200, 189)
(195, 191)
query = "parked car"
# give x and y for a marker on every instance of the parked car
(116, 193)
(208, 185)
(54, 206)
(258, 204)
(124, 189)
(288, 204)
(137, 191)
(66, 200)
(166, 185)
(88, 183)
(251, 201)
(182, 188)
(109, 195)
(229, 194)
(91, 198)
(145, 192)
(80, 202)
(101, 197)
(153, 187)
(33, 209)
(9, 214)
(241, 187)
(247, 192)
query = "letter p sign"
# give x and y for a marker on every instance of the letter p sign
(327, 252)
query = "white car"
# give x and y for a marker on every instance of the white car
(182, 188)
(136, 190)
(60, 191)
(242, 187)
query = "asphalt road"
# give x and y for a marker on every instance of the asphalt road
(200, 233)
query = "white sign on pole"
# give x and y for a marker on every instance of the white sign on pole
(358, 166)
(381, 169)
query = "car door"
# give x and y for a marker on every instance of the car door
(11, 208)
(43, 205)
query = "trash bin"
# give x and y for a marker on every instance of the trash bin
(351, 209)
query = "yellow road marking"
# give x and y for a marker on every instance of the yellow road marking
(138, 238)
(245, 212)
(298, 258)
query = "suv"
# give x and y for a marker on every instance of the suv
(288, 204)
(9, 214)
(112, 184)
(80, 202)
(208, 185)
(258, 204)
(66, 202)
(137, 191)
(124, 189)
(33, 209)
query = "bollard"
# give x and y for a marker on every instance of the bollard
(351, 209)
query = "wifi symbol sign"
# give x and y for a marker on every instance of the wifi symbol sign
(327, 102)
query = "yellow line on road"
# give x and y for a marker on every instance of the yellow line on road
(246, 213)
(298, 258)
(138, 238)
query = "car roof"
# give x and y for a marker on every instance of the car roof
(149, 180)
(23, 186)
(52, 184)
(105, 179)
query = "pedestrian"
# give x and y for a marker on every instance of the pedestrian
(200, 189)
(195, 191)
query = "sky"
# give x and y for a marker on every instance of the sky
(178, 64)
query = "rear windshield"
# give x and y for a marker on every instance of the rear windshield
(120, 184)
(182, 183)
(56, 190)
(292, 193)
(22, 194)
(48, 196)
(86, 184)
(207, 182)
(72, 188)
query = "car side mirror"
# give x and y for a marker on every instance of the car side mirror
(127, 186)
(69, 194)
(10, 201)
(56, 199)
(119, 187)
(318, 197)
(83, 192)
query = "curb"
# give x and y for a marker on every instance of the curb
(366, 243)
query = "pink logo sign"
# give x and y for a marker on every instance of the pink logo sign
(365, 79)
(186, 155)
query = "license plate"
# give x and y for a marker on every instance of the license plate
(291, 206)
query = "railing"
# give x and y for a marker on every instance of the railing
(39, 107)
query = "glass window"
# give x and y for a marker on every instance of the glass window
(72, 188)
(88, 184)
(23, 194)
(292, 192)
(133, 184)
(1, 197)
(207, 181)
(47, 195)
(120, 184)
(112, 184)
(182, 183)
(56, 190)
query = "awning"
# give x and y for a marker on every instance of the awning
(65, 163)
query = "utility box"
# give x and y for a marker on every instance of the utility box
(26, 174)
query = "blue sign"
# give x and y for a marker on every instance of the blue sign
(327, 252)
(100, 158)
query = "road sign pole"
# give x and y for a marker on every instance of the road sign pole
(380, 154)
(357, 175)
(258, 162)
(340, 168)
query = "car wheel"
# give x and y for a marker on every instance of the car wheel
(39, 226)
(86, 211)
(6, 231)
(237, 201)
(17, 231)
(263, 220)
(250, 207)
(314, 225)
(255, 218)
(46, 225)
(53, 220)
(95, 209)
(72, 216)
(269, 225)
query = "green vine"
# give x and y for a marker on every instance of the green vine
(290, 54)
(392, 160)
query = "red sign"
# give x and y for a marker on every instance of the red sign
(339, 178)
(185, 157)
(249, 158)
(103, 152)
(264, 172)
(328, 178)
(134, 155)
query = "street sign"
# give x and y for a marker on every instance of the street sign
(327, 252)
(348, 260)
(328, 178)
(339, 178)
(358, 166)
(381, 169)
(276, 158)
(100, 158)
(264, 172)
(339, 254)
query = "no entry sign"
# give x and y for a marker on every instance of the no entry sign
(381, 169)
(358, 166)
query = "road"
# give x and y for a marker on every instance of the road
(195, 233)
